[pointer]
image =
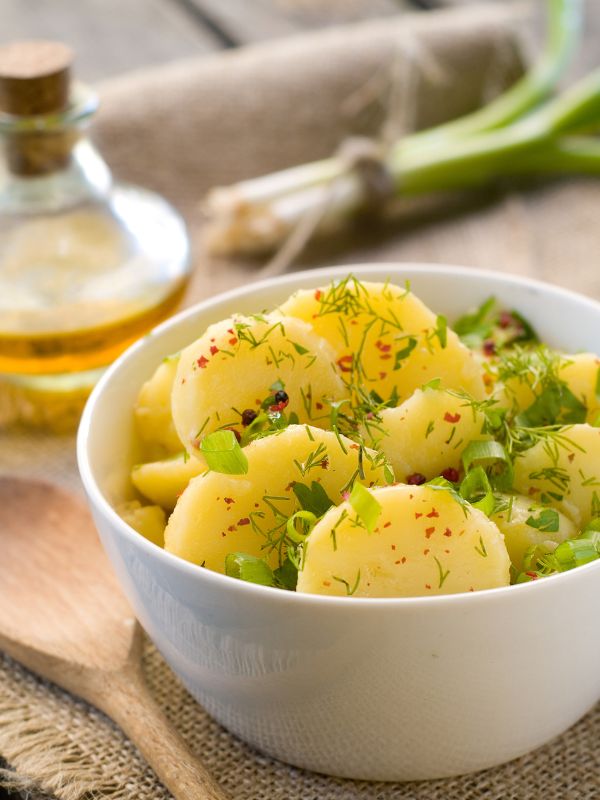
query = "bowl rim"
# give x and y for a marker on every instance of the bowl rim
(98, 501)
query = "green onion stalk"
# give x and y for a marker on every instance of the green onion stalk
(522, 132)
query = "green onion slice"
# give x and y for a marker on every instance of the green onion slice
(248, 568)
(366, 506)
(477, 491)
(489, 455)
(223, 453)
(307, 520)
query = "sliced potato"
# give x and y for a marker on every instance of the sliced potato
(581, 375)
(150, 521)
(425, 543)
(152, 412)
(233, 365)
(219, 514)
(163, 481)
(386, 338)
(564, 472)
(579, 372)
(427, 433)
(527, 524)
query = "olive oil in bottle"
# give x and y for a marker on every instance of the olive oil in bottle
(87, 265)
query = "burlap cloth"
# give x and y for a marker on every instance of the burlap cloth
(186, 127)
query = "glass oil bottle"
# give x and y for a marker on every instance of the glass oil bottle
(87, 265)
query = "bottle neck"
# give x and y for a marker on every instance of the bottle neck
(47, 163)
(82, 176)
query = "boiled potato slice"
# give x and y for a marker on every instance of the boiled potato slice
(153, 412)
(233, 365)
(579, 372)
(385, 338)
(564, 472)
(527, 524)
(150, 521)
(163, 481)
(427, 433)
(425, 543)
(219, 514)
(581, 375)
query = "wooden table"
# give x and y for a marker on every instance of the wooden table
(113, 36)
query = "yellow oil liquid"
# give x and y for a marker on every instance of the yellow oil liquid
(76, 289)
(78, 350)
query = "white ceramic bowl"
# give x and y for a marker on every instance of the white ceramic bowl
(381, 689)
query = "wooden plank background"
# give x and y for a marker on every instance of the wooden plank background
(113, 36)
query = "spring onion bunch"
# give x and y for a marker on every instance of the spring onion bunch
(522, 132)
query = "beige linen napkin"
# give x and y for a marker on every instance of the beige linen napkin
(183, 128)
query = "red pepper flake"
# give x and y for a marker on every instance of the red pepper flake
(233, 340)
(345, 363)
(243, 521)
(427, 550)
(427, 586)
(416, 479)
(278, 407)
(383, 348)
(451, 474)
(387, 524)
(319, 406)
(354, 447)
(533, 490)
(214, 349)
(532, 575)
(446, 551)
(229, 500)
(398, 562)
(255, 505)
(418, 514)
(447, 532)
(230, 330)
(318, 294)
(231, 528)
(202, 362)
(403, 559)
(353, 322)
(506, 319)
(571, 456)
(213, 339)
(325, 463)
(429, 532)
(448, 417)
(393, 547)
(489, 347)
(385, 356)
(382, 376)
(326, 583)
(257, 402)
(346, 495)
(433, 513)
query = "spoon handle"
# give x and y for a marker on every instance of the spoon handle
(127, 700)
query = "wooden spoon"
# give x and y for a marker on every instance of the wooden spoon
(63, 616)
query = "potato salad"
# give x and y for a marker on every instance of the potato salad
(351, 442)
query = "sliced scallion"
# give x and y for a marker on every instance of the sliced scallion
(223, 453)
(366, 506)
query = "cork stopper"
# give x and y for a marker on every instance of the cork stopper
(35, 80)
(34, 77)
